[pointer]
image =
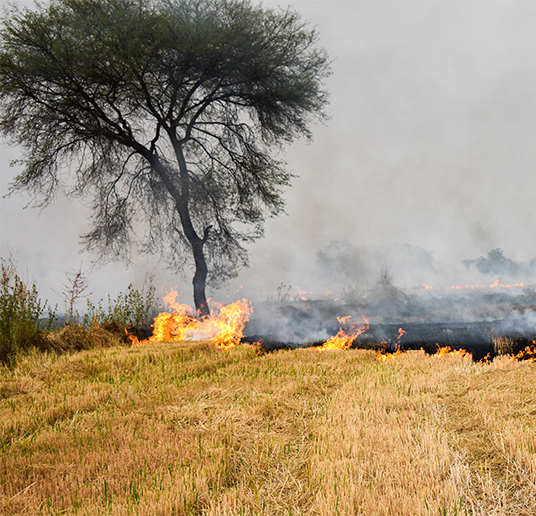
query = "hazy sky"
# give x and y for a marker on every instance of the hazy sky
(431, 142)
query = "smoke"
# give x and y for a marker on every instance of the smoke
(496, 264)
(429, 145)
(386, 287)
(427, 161)
(344, 266)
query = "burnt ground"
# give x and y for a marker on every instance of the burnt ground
(469, 320)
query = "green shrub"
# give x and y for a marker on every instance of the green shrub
(134, 311)
(21, 317)
(20, 313)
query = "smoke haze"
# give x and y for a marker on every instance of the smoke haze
(428, 160)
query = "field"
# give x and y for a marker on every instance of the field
(184, 428)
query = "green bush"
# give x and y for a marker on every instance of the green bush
(134, 311)
(20, 313)
(21, 318)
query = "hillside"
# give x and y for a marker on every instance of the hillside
(184, 428)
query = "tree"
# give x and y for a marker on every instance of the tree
(169, 114)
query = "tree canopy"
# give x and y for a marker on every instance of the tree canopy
(168, 115)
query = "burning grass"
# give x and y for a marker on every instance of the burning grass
(224, 327)
(345, 338)
(184, 428)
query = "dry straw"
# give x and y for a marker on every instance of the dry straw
(184, 428)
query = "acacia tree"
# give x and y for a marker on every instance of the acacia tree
(168, 114)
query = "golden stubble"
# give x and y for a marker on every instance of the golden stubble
(184, 428)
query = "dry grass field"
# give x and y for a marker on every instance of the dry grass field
(184, 428)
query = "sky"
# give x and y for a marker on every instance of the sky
(431, 143)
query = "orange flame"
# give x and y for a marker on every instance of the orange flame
(441, 352)
(382, 356)
(224, 327)
(401, 333)
(330, 295)
(495, 284)
(528, 354)
(303, 295)
(484, 361)
(447, 350)
(344, 340)
(430, 287)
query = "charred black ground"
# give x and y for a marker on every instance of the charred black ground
(470, 319)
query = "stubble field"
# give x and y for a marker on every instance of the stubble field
(185, 428)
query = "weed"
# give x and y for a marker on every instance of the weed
(74, 289)
(134, 311)
(283, 294)
(20, 313)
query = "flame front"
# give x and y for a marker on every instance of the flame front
(228, 325)
(344, 340)
(495, 284)
(447, 350)
(401, 333)
(528, 354)
(382, 356)
(224, 327)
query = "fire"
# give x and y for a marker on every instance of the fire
(303, 295)
(344, 340)
(224, 327)
(229, 324)
(495, 284)
(382, 356)
(447, 350)
(340, 341)
(471, 287)
(528, 354)
(329, 294)
(430, 287)
(484, 361)
(441, 351)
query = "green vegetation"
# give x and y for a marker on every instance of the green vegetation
(20, 313)
(134, 311)
(23, 326)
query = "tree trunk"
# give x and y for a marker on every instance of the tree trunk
(200, 280)
(182, 200)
